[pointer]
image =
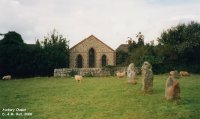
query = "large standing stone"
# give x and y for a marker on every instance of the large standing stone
(131, 73)
(147, 77)
(172, 88)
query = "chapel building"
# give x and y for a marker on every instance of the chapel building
(91, 53)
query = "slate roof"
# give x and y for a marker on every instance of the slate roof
(123, 47)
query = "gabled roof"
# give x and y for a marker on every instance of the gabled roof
(123, 47)
(89, 38)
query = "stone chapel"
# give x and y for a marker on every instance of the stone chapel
(91, 53)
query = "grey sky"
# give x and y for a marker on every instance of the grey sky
(112, 21)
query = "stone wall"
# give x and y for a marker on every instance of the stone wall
(87, 71)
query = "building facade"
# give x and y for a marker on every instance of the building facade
(91, 53)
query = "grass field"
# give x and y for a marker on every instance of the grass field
(97, 98)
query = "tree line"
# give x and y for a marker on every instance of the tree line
(178, 48)
(29, 60)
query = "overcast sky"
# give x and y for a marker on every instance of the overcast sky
(112, 21)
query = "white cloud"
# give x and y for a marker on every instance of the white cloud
(112, 21)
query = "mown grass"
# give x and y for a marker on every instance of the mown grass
(98, 98)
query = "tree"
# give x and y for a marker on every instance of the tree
(121, 57)
(12, 38)
(26, 60)
(183, 41)
(132, 46)
(56, 51)
(12, 50)
(140, 38)
(138, 51)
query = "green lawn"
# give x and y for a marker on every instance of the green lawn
(98, 98)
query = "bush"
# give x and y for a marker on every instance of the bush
(89, 74)
(73, 73)
(110, 68)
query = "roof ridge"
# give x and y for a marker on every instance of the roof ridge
(95, 38)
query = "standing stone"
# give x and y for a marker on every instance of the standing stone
(172, 88)
(131, 73)
(147, 77)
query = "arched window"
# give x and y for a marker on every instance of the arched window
(79, 61)
(103, 60)
(91, 58)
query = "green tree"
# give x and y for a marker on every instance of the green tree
(12, 37)
(183, 41)
(140, 38)
(26, 60)
(12, 50)
(56, 51)
(132, 46)
(122, 58)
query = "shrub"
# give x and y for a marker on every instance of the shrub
(111, 69)
(72, 73)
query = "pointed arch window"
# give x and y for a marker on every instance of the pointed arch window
(91, 58)
(103, 61)
(79, 61)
